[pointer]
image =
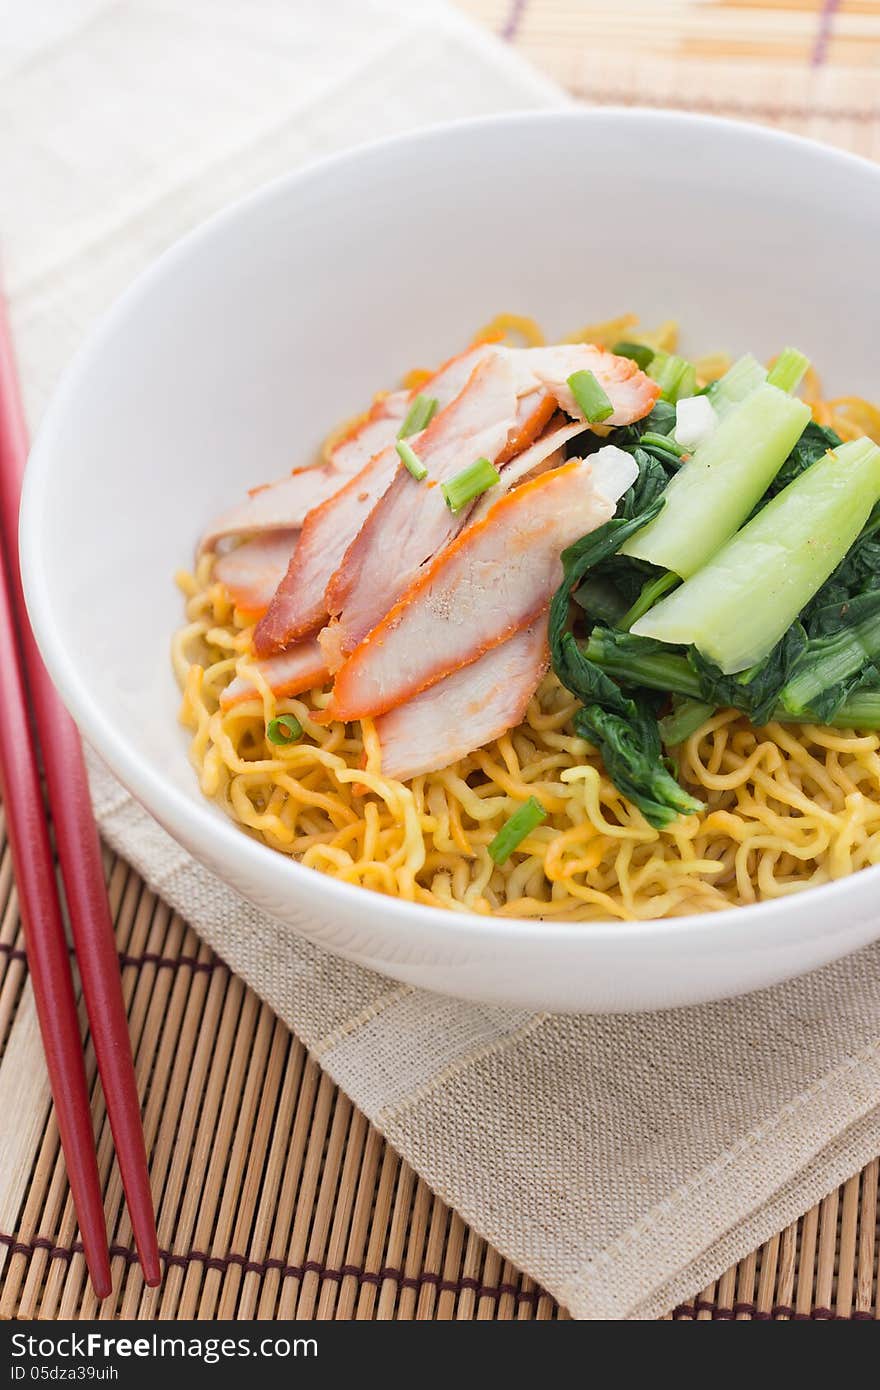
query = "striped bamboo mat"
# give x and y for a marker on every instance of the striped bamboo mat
(276, 1199)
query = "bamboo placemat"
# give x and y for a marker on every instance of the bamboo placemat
(276, 1198)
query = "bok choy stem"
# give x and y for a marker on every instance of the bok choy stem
(718, 486)
(683, 720)
(860, 711)
(643, 664)
(739, 381)
(738, 606)
(788, 370)
(654, 667)
(830, 661)
(651, 593)
(675, 376)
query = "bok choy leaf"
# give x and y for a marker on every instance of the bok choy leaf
(624, 730)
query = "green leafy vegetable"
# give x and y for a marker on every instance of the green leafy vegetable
(836, 663)
(585, 555)
(653, 590)
(648, 486)
(642, 662)
(613, 582)
(584, 678)
(788, 628)
(639, 353)
(631, 751)
(623, 729)
(661, 421)
(858, 570)
(625, 732)
(861, 710)
(600, 599)
(755, 692)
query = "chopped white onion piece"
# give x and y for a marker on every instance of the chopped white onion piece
(614, 470)
(695, 419)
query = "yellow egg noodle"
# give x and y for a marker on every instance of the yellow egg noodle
(787, 807)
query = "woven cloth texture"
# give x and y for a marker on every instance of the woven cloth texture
(622, 1163)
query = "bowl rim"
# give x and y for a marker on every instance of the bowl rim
(174, 807)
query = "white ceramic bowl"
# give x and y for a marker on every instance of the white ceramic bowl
(227, 362)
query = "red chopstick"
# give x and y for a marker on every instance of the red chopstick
(46, 945)
(79, 855)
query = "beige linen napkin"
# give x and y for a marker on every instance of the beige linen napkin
(621, 1161)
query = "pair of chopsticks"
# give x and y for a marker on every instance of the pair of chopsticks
(26, 690)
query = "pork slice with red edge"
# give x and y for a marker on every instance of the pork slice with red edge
(413, 522)
(252, 571)
(466, 710)
(494, 579)
(479, 418)
(285, 504)
(631, 393)
(301, 667)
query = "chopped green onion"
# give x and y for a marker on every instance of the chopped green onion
(591, 399)
(521, 824)
(639, 353)
(419, 415)
(788, 370)
(477, 478)
(675, 376)
(411, 459)
(651, 592)
(285, 729)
